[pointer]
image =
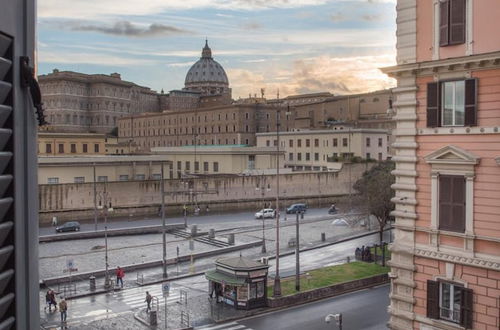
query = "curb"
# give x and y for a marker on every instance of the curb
(172, 261)
(145, 322)
(141, 230)
(276, 309)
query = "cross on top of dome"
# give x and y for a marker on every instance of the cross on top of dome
(206, 52)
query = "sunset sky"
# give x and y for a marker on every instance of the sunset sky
(298, 46)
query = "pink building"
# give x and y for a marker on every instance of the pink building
(446, 255)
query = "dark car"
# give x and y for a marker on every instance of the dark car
(295, 208)
(69, 226)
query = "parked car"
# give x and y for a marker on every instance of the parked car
(69, 226)
(265, 213)
(295, 208)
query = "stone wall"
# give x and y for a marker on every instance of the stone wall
(224, 192)
(329, 291)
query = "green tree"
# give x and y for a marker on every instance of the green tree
(375, 190)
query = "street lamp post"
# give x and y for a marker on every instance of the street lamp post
(95, 201)
(297, 251)
(104, 199)
(165, 275)
(277, 281)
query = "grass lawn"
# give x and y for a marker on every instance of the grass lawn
(328, 276)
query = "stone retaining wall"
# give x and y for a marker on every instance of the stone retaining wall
(329, 291)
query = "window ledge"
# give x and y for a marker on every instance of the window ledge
(460, 130)
(438, 324)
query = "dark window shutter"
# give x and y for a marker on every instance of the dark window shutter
(457, 22)
(470, 102)
(466, 308)
(444, 10)
(433, 106)
(452, 203)
(458, 199)
(432, 299)
(445, 202)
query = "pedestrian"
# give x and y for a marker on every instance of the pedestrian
(63, 308)
(47, 301)
(207, 209)
(120, 274)
(184, 210)
(52, 297)
(148, 301)
(54, 221)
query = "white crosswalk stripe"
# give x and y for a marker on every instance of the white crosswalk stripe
(226, 326)
(136, 299)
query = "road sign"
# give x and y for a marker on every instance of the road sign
(165, 289)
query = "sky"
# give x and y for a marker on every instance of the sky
(296, 46)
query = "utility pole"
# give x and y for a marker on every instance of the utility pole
(297, 250)
(95, 202)
(162, 185)
(277, 281)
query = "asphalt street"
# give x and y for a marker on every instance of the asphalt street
(117, 304)
(242, 218)
(361, 310)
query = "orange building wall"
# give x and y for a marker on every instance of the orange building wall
(485, 284)
(487, 147)
(485, 21)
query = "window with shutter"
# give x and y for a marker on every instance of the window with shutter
(433, 114)
(457, 22)
(432, 299)
(470, 102)
(452, 103)
(466, 308)
(452, 203)
(452, 26)
(444, 10)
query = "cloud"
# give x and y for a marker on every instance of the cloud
(252, 26)
(73, 58)
(181, 64)
(128, 29)
(84, 9)
(338, 17)
(338, 75)
(371, 18)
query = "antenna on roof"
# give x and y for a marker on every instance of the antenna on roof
(262, 91)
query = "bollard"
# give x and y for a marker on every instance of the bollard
(191, 244)
(194, 230)
(230, 240)
(92, 282)
(323, 237)
(153, 319)
(211, 234)
(302, 215)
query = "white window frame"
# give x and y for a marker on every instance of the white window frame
(442, 101)
(123, 177)
(455, 314)
(53, 180)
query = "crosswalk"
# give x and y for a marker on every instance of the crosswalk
(225, 326)
(136, 298)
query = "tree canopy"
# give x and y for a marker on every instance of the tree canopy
(375, 189)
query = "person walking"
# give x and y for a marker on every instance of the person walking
(47, 301)
(63, 308)
(120, 274)
(52, 298)
(148, 301)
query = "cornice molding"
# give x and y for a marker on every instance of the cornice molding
(474, 62)
(469, 261)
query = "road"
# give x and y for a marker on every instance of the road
(361, 310)
(112, 305)
(242, 218)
